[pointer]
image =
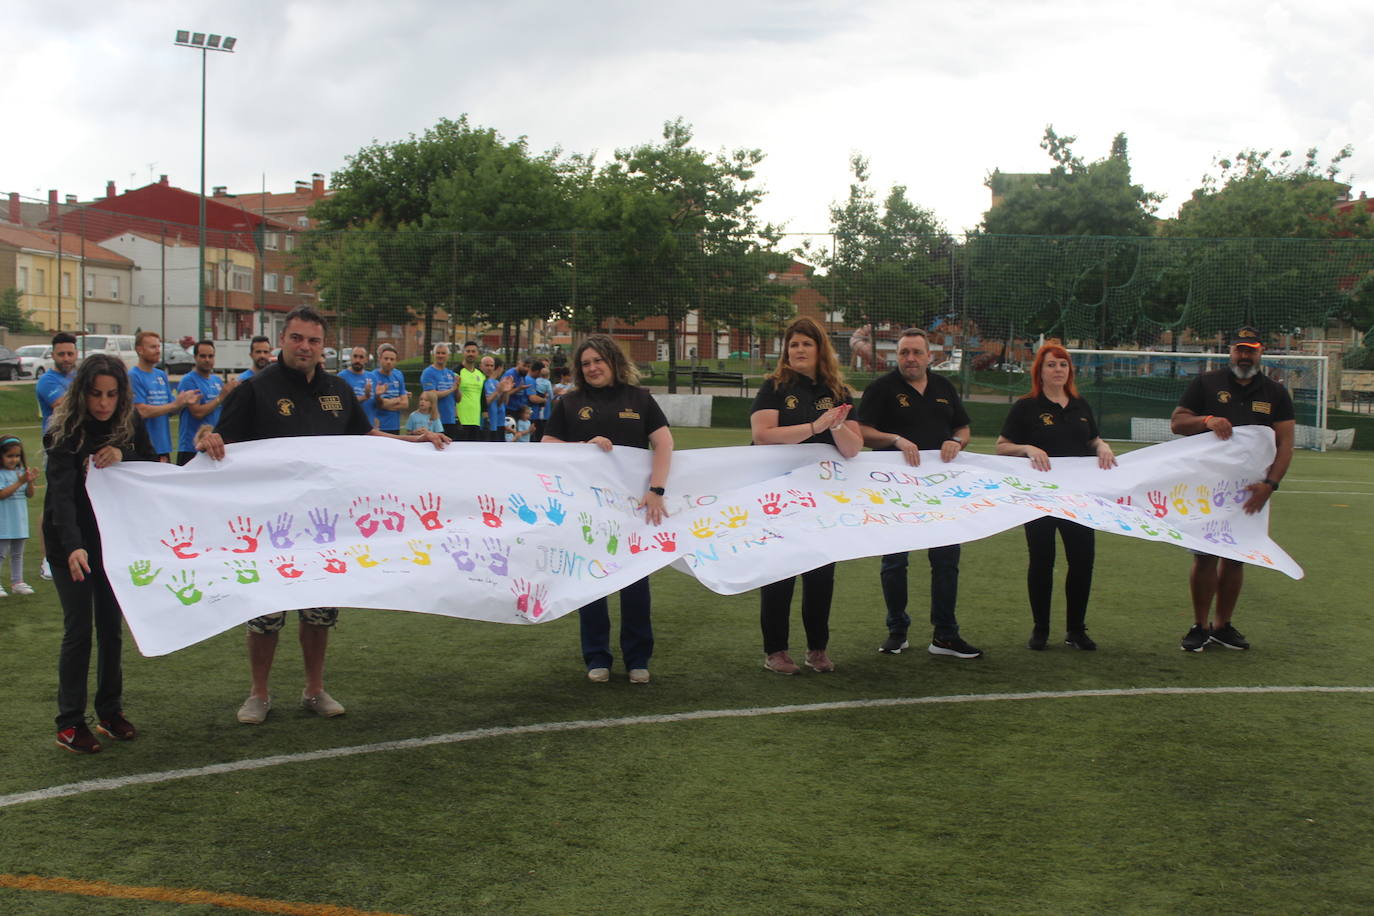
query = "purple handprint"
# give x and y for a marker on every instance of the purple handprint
(323, 531)
(279, 531)
(457, 548)
(498, 556)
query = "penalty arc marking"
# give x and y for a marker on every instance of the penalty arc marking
(477, 734)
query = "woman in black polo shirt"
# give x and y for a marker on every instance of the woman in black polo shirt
(607, 408)
(804, 400)
(1054, 422)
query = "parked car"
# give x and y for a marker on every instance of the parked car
(9, 364)
(176, 360)
(34, 360)
(331, 359)
(120, 346)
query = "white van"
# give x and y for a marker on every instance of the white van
(118, 345)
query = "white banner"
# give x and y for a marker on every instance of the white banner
(524, 534)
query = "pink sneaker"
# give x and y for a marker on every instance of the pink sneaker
(780, 663)
(819, 661)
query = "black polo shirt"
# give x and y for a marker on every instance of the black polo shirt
(278, 402)
(891, 405)
(1062, 432)
(800, 402)
(1261, 402)
(625, 414)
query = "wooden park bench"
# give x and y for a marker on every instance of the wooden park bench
(701, 377)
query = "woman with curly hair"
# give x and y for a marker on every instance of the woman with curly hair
(95, 424)
(804, 400)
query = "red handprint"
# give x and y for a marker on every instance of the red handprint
(769, 502)
(180, 543)
(529, 600)
(1159, 503)
(491, 511)
(242, 529)
(803, 498)
(427, 511)
(667, 541)
(637, 544)
(389, 508)
(333, 563)
(361, 513)
(286, 566)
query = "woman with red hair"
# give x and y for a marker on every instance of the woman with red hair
(804, 400)
(1054, 422)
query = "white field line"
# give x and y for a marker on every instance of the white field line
(477, 734)
(1330, 492)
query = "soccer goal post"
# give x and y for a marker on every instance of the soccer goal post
(1134, 392)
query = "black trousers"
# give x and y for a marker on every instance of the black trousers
(775, 609)
(88, 605)
(1079, 550)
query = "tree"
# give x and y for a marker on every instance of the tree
(452, 205)
(889, 263)
(678, 233)
(1074, 197)
(12, 316)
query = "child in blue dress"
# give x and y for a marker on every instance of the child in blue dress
(16, 486)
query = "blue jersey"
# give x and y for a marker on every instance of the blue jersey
(496, 411)
(358, 382)
(436, 379)
(49, 388)
(544, 388)
(520, 394)
(154, 389)
(187, 425)
(391, 386)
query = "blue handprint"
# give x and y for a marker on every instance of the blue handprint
(279, 531)
(323, 532)
(957, 492)
(987, 484)
(555, 511)
(522, 508)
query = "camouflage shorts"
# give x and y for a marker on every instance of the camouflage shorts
(315, 616)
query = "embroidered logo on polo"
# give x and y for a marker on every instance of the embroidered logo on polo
(903, 400)
(790, 402)
(944, 401)
(1047, 419)
(585, 413)
(331, 403)
(1261, 407)
(286, 407)
(825, 403)
(629, 414)
(1224, 397)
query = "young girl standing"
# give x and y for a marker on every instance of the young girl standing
(16, 487)
(94, 426)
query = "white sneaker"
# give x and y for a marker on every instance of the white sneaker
(598, 675)
(22, 588)
(44, 572)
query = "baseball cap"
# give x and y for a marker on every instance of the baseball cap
(1246, 337)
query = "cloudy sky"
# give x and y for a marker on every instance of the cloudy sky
(935, 94)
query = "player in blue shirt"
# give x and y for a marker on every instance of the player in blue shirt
(389, 390)
(53, 384)
(541, 399)
(521, 385)
(442, 380)
(260, 350)
(495, 393)
(212, 391)
(152, 393)
(360, 380)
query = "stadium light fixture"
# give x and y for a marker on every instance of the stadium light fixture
(198, 41)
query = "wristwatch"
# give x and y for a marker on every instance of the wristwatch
(657, 491)
(1272, 483)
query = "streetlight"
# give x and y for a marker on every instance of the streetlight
(199, 41)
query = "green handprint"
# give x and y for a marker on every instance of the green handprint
(141, 572)
(188, 593)
(245, 571)
(613, 537)
(586, 522)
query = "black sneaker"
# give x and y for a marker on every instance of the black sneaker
(78, 739)
(955, 647)
(894, 644)
(1195, 639)
(1079, 639)
(1230, 637)
(117, 727)
(1039, 639)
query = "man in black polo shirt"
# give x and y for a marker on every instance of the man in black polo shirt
(907, 410)
(1239, 395)
(293, 397)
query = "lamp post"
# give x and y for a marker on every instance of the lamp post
(200, 41)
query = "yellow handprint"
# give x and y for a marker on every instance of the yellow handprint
(363, 554)
(735, 517)
(702, 528)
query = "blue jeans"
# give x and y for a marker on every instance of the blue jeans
(636, 631)
(944, 591)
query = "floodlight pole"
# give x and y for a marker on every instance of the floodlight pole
(196, 41)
